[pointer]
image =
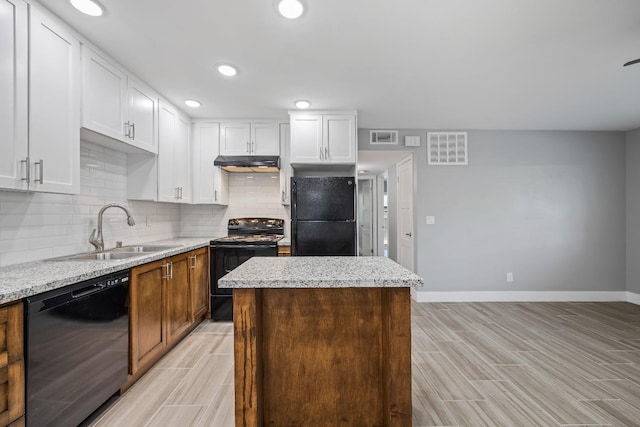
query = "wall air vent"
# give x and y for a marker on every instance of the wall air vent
(447, 148)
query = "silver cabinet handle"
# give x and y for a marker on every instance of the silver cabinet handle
(28, 171)
(194, 264)
(283, 195)
(127, 128)
(169, 269)
(180, 193)
(253, 146)
(215, 195)
(321, 157)
(408, 234)
(326, 151)
(248, 147)
(133, 131)
(41, 179)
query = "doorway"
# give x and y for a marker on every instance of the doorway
(366, 219)
(405, 213)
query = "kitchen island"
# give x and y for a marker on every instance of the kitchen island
(322, 341)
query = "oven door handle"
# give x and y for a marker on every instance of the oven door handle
(244, 246)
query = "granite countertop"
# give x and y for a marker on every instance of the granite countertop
(22, 280)
(320, 272)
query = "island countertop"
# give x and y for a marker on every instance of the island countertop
(320, 272)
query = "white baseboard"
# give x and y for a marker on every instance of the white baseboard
(527, 296)
(633, 297)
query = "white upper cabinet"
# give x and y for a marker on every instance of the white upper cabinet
(174, 183)
(246, 139)
(116, 105)
(323, 138)
(14, 51)
(39, 115)
(54, 97)
(209, 182)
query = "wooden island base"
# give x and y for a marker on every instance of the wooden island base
(322, 357)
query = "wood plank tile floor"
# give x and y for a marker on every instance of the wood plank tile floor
(474, 364)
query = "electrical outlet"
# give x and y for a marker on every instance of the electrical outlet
(510, 277)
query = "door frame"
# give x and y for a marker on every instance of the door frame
(379, 211)
(374, 212)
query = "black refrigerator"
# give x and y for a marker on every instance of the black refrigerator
(323, 216)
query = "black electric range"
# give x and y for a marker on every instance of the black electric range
(246, 238)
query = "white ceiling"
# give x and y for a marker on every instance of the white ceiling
(437, 64)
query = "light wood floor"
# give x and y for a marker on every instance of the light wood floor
(474, 364)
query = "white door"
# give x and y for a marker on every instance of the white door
(265, 139)
(143, 116)
(365, 209)
(339, 138)
(104, 96)
(405, 213)
(235, 139)
(54, 116)
(306, 139)
(13, 87)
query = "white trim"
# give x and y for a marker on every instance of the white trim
(633, 298)
(527, 296)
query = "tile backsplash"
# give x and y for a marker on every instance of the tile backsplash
(250, 195)
(36, 226)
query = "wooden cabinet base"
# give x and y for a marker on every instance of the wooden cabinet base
(322, 356)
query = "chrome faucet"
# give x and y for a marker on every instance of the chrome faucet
(97, 240)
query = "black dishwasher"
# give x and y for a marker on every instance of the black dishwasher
(77, 346)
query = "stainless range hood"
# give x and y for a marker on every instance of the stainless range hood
(248, 163)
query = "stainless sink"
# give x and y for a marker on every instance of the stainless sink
(102, 256)
(124, 252)
(144, 248)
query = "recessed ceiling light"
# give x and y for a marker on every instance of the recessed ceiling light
(88, 7)
(363, 171)
(227, 70)
(192, 103)
(291, 9)
(303, 104)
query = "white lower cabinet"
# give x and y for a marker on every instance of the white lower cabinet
(45, 58)
(210, 183)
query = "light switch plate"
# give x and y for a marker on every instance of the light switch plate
(412, 141)
(431, 220)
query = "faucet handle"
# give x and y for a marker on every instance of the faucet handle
(92, 238)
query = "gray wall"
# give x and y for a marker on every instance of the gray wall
(633, 211)
(548, 206)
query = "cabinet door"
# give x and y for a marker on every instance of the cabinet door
(167, 190)
(147, 329)
(178, 310)
(181, 153)
(285, 167)
(221, 187)
(208, 181)
(14, 99)
(104, 96)
(235, 139)
(339, 135)
(199, 282)
(306, 139)
(265, 139)
(54, 116)
(143, 116)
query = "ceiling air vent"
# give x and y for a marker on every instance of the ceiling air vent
(447, 148)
